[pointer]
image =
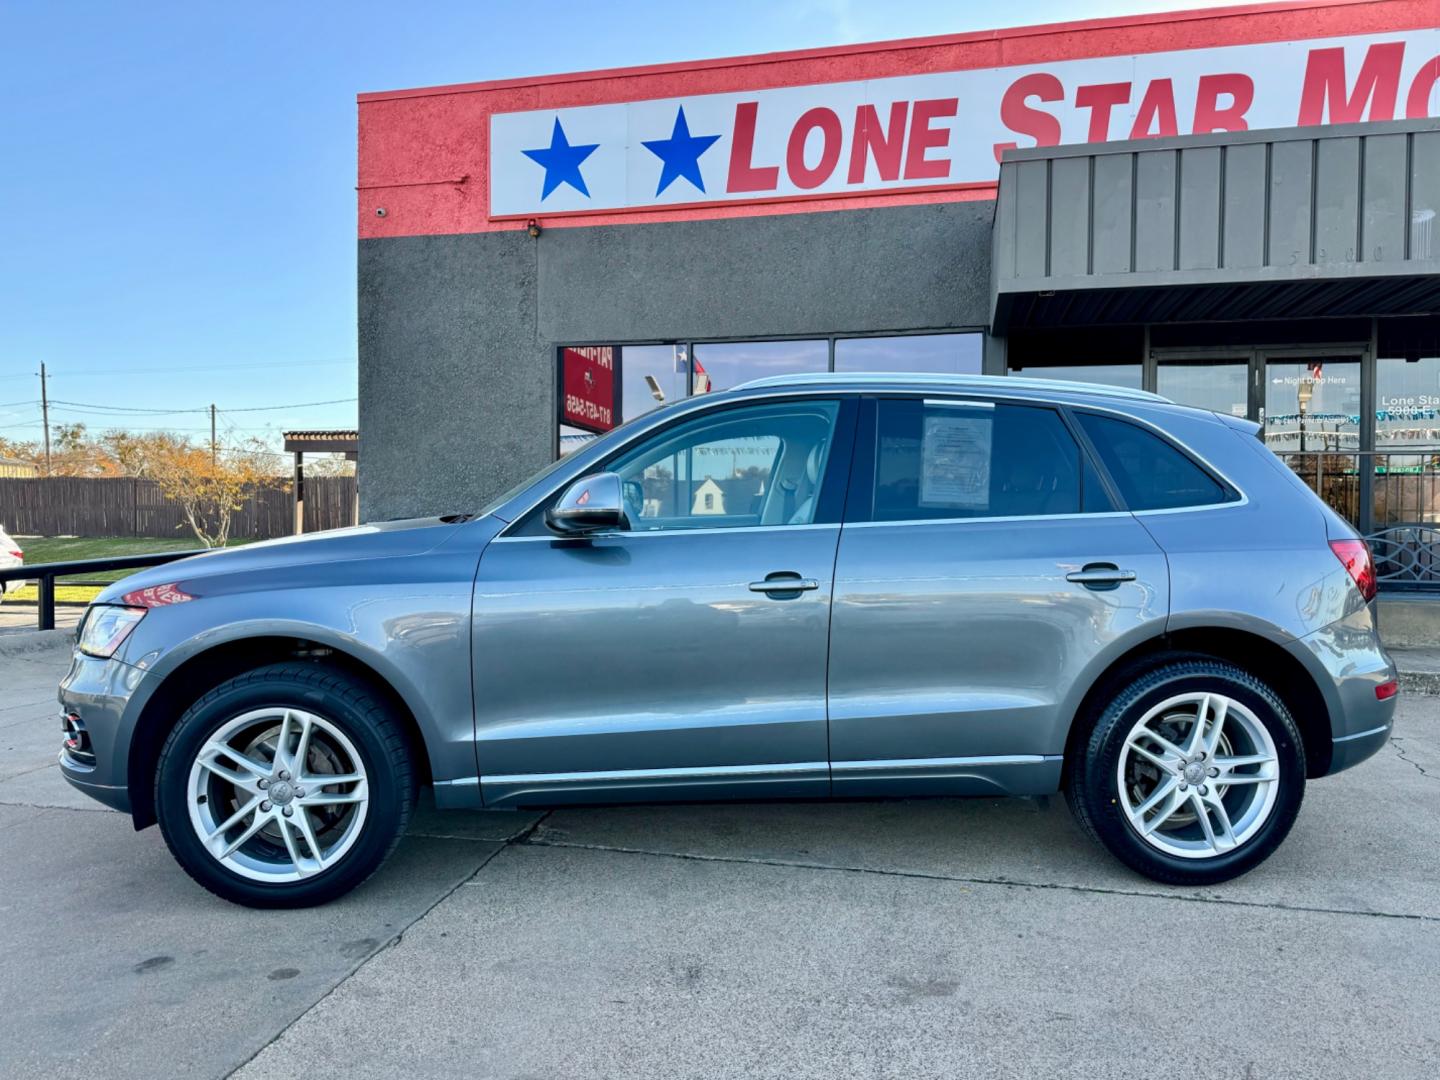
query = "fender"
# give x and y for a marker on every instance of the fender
(1155, 636)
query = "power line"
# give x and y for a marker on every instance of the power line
(85, 407)
(161, 427)
(301, 405)
(238, 369)
(97, 409)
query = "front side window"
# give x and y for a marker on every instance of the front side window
(1150, 473)
(761, 465)
(962, 459)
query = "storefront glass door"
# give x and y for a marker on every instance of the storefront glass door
(1220, 383)
(1313, 421)
(1312, 404)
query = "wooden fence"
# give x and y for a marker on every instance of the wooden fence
(123, 506)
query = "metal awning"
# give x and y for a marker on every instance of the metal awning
(323, 442)
(1287, 223)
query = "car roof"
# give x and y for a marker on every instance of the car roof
(931, 381)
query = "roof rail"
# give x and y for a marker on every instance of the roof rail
(988, 383)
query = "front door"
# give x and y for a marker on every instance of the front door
(982, 571)
(686, 656)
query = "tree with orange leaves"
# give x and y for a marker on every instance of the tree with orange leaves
(208, 486)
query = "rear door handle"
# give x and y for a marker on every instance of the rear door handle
(784, 583)
(1100, 576)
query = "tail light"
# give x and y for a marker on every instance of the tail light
(1354, 555)
(1386, 690)
(17, 553)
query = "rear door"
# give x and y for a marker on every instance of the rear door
(984, 567)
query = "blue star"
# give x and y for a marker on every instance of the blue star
(681, 154)
(561, 162)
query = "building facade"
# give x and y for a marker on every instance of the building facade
(1234, 207)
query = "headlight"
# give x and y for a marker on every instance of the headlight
(106, 628)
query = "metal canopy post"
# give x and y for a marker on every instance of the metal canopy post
(299, 492)
(300, 443)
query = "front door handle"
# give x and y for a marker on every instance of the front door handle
(784, 583)
(1100, 576)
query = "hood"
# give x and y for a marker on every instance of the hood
(381, 540)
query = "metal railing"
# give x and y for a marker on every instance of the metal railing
(44, 575)
(1392, 497)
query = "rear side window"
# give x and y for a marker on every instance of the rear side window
(965, 459)
(1150, 473)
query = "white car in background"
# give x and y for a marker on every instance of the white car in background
(10, 555)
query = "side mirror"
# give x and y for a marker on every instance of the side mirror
(589, 505)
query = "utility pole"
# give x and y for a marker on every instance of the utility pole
(45, 416)
(214, 446)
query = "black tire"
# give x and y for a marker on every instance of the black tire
(1092, 783)
(350, 705)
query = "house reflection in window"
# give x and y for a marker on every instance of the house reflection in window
(709, 498)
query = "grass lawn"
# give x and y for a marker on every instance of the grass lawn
(45, 549)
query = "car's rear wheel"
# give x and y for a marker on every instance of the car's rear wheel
(1192, 774)
(284, 787)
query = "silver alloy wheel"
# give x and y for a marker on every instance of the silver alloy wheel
(1198, 775)
(278, 795)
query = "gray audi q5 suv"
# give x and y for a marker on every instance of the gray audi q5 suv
(807, 587)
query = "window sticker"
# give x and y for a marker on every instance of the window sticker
(955, 461)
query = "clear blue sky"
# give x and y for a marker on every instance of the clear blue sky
(177, 179)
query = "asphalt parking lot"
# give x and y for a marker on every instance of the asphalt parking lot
(915, 939)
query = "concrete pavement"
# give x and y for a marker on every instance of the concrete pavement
(18, 618)
(945, 938)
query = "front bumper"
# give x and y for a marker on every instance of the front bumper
(103, 695)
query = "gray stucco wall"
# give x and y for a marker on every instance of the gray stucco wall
(458, 334)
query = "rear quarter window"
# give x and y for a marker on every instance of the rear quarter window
(1151, 472)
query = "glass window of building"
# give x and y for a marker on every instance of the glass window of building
(1220, 384)
(1407, 428)
(1407, 402)
(953, 354)
(725, 365)
(651, 376)
(1312, 406)
(1126, 375)
(572, 438)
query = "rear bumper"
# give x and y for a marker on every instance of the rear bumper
(1349, 663)
(1353, 749)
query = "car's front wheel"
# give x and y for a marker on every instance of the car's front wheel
(286, 786)
(1192, 774)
